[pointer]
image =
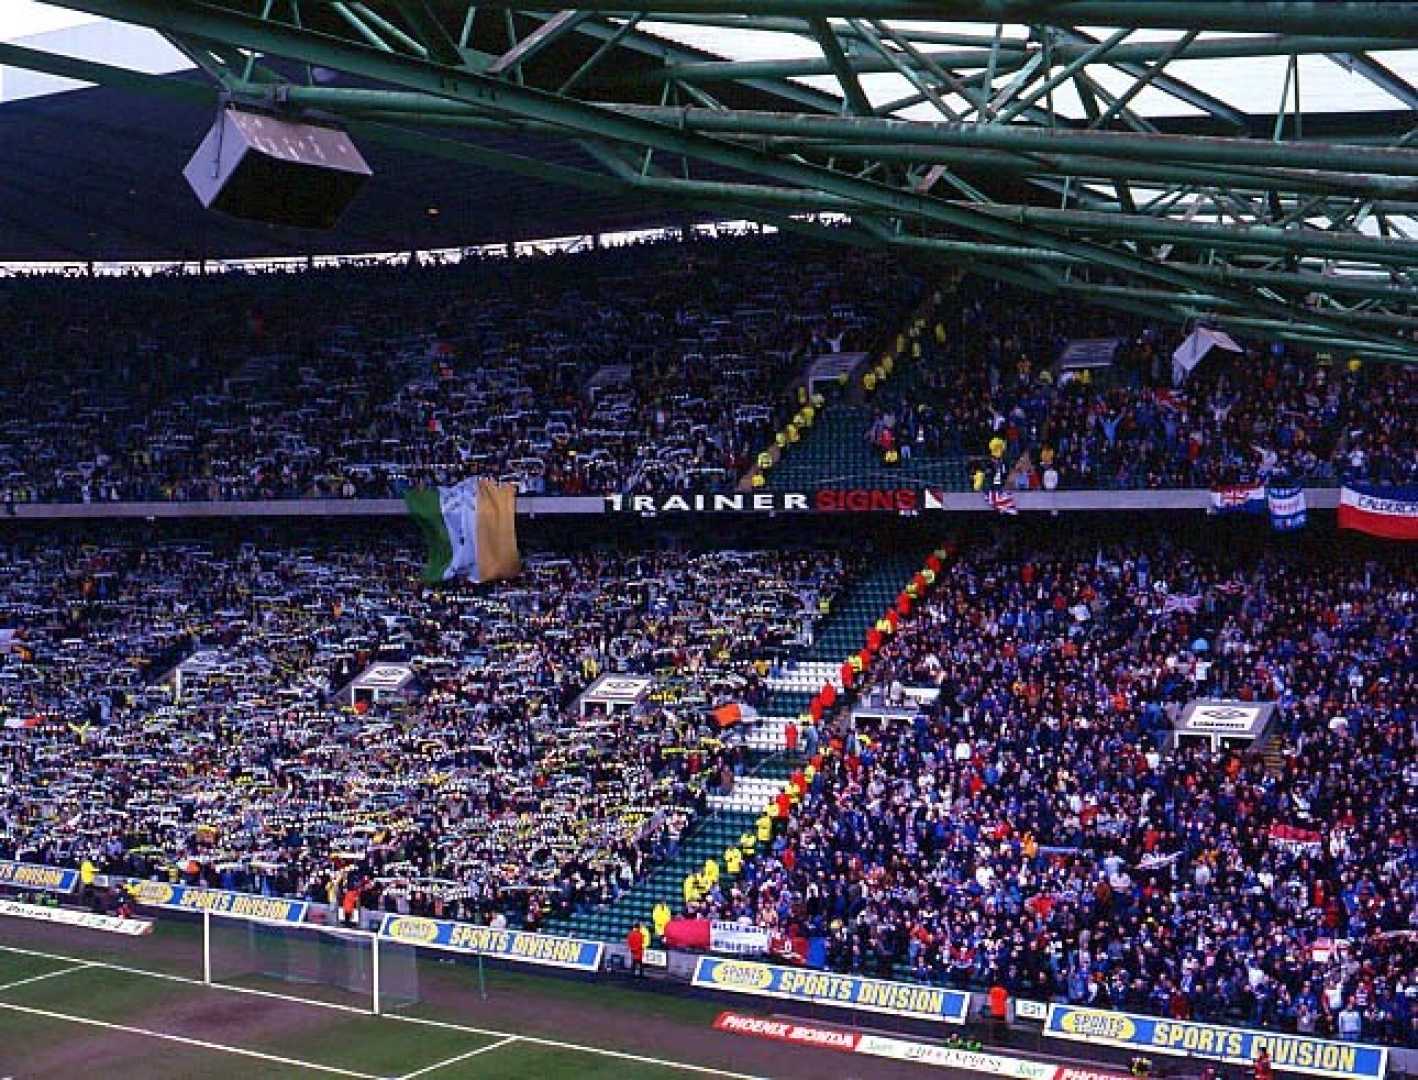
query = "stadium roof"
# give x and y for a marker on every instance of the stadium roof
(1248, 164)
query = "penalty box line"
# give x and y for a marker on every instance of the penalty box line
(47, 975)
(184, 1040)
(461, 1057)
(536, 1040)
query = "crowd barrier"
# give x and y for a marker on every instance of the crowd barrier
(884, 1046)
(1200, 1042)
(21, 875)
(820, 501)
(85, 920)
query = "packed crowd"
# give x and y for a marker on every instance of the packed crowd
(659, 367)
(655, 367)
(182, 711)
(1034, 827)
(989, 387)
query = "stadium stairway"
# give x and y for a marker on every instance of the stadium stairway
(709, 837)
(769, 765)
(855, 612)
(749, 795)
(834, 452)
(1274, 753)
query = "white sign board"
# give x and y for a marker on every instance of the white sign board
(86, 920)
(1215, 720)
(380, 681)
(614, 693)
(1024, 1009)
(921, 695)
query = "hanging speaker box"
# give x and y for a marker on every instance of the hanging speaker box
(264, 168)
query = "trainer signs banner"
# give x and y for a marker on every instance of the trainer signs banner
(825, 988)
(1234, 1046)
(548, 950)
(242, 905)
(22, 875)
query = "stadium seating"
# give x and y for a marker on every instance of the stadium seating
(115, 663)
(997, 799)
(665, 884)
(986, 404)
(1036, 825)
(872, 593)
(647, 368)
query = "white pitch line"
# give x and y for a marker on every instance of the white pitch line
(46, 975)
(461, 1057)
(186, 1041)
(620, 1055)
(188, 981)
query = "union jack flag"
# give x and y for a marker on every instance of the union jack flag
(1238, 498)
(1002, 501)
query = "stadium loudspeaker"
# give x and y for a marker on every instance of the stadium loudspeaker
(263, 168)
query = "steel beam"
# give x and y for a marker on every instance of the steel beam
(1204, 301)
(837, 63)
(1026, 161)
(1057, 78)
(524, 102)
(1379, 75)
(1193, 149)
(1368, 286)
(91, 71)
(1174, 87)
(669, 52)
(427, 91)
(432, 34)
(1243, 237)
(1014, 58)
(806, 67)
(1379, 18)
(537, 40)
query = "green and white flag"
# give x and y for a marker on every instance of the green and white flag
(470, 528)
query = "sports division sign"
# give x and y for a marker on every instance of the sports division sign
(160, 894)
(548, 950)
(23, 875)
(1213, 1042)
(825, 988)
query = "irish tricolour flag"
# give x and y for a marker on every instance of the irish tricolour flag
(471, 529)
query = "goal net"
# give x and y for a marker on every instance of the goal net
(319, 962)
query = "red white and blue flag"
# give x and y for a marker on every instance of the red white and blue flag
(1390, 512)
(1002, 501)
(1238, 499)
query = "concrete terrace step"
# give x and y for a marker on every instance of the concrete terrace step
(708, 838)
(749, 795)
(766, 735)
(806, 677)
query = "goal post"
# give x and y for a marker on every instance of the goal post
(409, 960)
(331, 964)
